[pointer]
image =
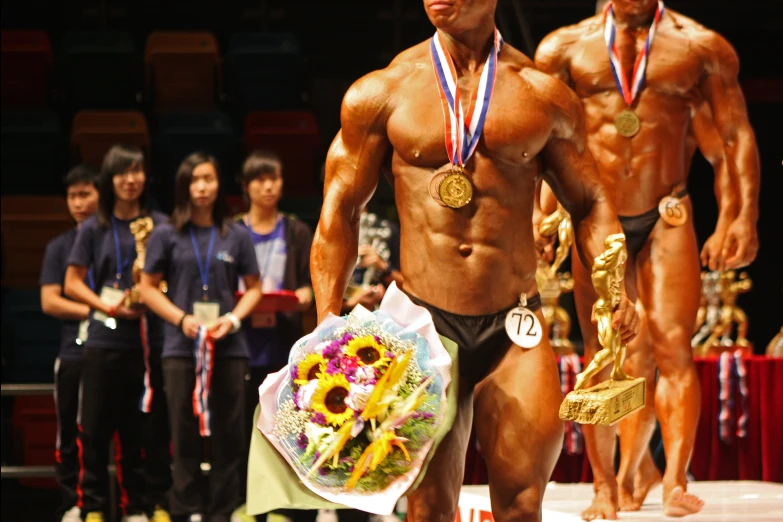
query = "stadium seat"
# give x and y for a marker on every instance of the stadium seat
(94, 132)
(264, 72)
(100, 70)
(26, 68)
(294, 137)
(180, 133)
(31, 152)
(182, 70)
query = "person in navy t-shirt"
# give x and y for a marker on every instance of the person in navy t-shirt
(201, 255)
(113, 373)
(82, 195)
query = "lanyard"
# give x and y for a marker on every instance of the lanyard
(90, 280)
(203, 268)
(121, 266)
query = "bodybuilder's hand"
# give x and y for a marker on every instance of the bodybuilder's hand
(369, 257)
(305, 297)
(712, 251)
(741, 244)
(625, 319)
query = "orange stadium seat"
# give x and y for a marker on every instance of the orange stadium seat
(26, 68)
(182, 70)
(94, 132)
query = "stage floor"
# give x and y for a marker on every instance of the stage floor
(730, 501)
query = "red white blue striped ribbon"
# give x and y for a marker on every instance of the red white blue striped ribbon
(463, 133)
(742, 387)
(725, 396)
(145, 404)
(629, 92)
(204, 357)
(569, 368)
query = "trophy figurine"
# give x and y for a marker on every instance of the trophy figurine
(552, 285)
(376, 233)
(730, 313)
(608, 402)
(709, 309)
(775, 346)
(141, 230)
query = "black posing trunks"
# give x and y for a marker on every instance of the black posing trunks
(481, 339)
(637, 228)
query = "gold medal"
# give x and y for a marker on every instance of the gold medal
(673, 211)
(435, 183)
(627, 123)
(456, 190)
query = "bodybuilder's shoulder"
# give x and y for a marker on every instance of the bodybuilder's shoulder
(371, 98)
(556, 96)
(714, 50)
(558, 44)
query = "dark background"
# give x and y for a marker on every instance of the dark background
(341, 40)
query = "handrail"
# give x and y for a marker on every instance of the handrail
(26, 389)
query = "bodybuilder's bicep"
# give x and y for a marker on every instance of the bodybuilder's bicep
(355, 157)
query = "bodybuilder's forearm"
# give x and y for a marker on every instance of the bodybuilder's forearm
(744, 157)
(725, 193)
(599, 222)
(333, 259)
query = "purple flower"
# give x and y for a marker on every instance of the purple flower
(333, 367)
(332, 351)
(317, 455)
(302, 441)
(390, 355)
(323, 472)
(348, 365)
(319, 418)
(423, 415)
(346, 338)
(294, 371)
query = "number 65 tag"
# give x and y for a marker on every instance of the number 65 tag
(523, 327)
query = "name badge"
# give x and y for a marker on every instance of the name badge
(83, 327)
(112, 297)
(268, 320)
(522, 326)
(206, 313)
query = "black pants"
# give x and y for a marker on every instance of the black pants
(112, 384)
(157, 439)
(67, 377)
(226, 445)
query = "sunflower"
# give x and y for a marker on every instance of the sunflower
(329, 398)
(368, 350)
(310, 368)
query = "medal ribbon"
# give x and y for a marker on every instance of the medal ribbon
(725, 397)
(462, 134)
(742, 387)
(569, 368)
(610, 31)
(146, 399)
(204, 358)
(203, 268)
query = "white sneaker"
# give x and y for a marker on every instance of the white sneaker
(135, 518)
(326, 515)
(72, 515)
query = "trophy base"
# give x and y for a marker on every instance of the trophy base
(605, 403)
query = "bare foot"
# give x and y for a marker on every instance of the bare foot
(604, 506)
(647, 477)
(627, 497)
(681, 503)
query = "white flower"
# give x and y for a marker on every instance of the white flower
(358, 396)
(304, 396)
(364, 374)
(319, 437)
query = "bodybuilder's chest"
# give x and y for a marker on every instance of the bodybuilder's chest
(673, 67)
(515, 130)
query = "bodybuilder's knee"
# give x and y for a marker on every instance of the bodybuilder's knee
(432, 507)
(525, 506)
(673, 351)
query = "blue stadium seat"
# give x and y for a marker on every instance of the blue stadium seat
(264, 71)
(180, 133)
(100, 69)
(32, 150)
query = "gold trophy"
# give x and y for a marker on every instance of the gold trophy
(552, 285)
(141, 230)
(775, 346)
(608, 402)
(730, 313)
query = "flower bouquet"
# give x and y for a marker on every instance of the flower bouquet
(356, 410)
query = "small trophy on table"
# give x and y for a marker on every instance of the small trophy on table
(608, 402)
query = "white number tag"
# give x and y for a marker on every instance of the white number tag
(523, 327)
(112, 297)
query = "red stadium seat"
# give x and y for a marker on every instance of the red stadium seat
(294, 137)
(26, 68)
